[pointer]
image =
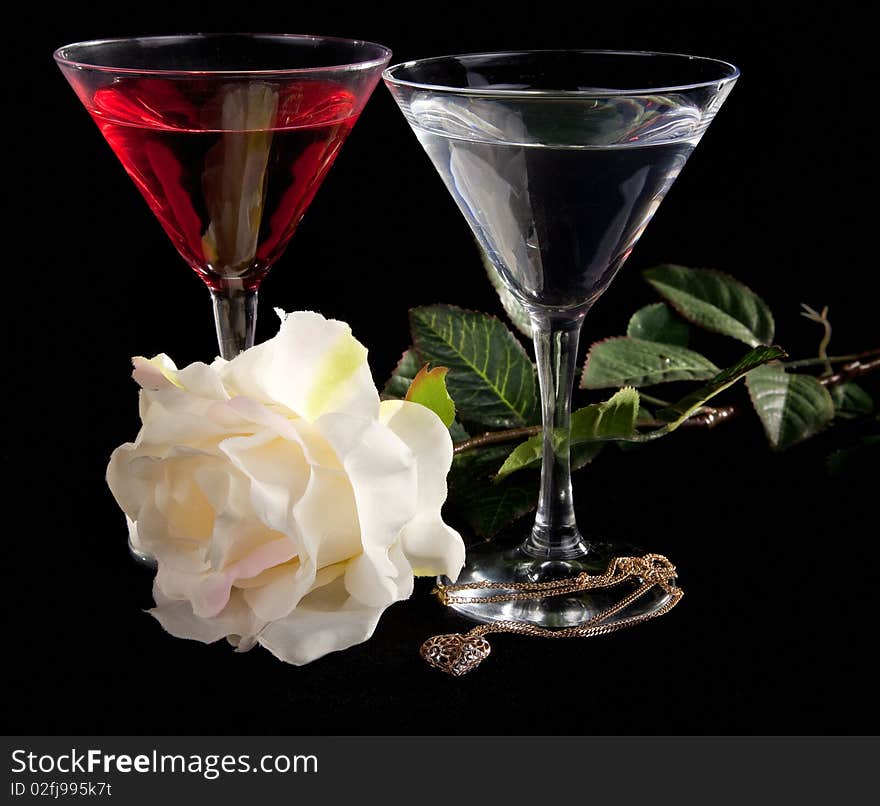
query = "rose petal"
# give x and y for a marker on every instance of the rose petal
(326, 521)
(281, 588)
(180, 500)
(237, 531)
(430, 545)
(314, 365)
(159, 372)
(163, 538)
(327, 620)
(255, 413)
(201, 380)
(215, 482)
(177, 617)
(131, 479)
(425, 435)
(133, 539)
(209, 592)
(300, 431)
(327, 518)
(404, 578)
(275, 598)
(164, 427)
(382, 473)
(278, 473)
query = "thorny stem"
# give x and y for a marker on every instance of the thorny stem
(707, 417)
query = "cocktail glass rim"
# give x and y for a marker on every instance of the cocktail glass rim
(381, 54)
(731, 74)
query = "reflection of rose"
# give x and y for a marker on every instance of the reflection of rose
(283, 503)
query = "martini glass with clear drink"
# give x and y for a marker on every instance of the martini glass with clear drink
(227, 137)
(557, 159)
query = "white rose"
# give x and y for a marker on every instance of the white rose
(284, 504)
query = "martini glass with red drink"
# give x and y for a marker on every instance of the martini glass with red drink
(227, 137)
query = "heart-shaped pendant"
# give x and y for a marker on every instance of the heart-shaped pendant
(455, 654)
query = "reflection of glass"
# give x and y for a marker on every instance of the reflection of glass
(558, 160)
(228, 137)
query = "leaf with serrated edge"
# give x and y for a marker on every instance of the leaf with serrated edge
(582, 455)
(490, 376)
(678, 412)
(458, 432)
(429, 390)
(526, 454)
(489, 510)
(518, 315)
(623, 361)
(791, 407)
(658, 322)
(714, 301)
(402, 376)
(616, 417)
(850, 398)
(488, 507)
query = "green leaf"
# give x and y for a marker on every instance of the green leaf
(624, 361)
(401, 379)
(526, 454)
(617, 420)
(407, 369)
(488, 507)
(850, 399)
(658, 322)
(715, 301)
(582, 455)
(679, 411)
(791, 407)
(458, 432)
(514, 309)
(616, 417)
(490, 377)
(429, 390)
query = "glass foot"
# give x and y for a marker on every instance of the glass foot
(505, 565)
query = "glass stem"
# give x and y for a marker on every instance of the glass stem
(555, 535)
(235, 314)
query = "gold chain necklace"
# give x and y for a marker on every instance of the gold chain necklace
(457, 654)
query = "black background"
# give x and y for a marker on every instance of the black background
(778, 561)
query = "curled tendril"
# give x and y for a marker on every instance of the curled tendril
(822, 319)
